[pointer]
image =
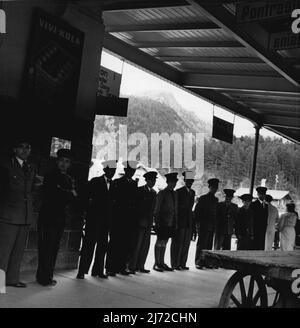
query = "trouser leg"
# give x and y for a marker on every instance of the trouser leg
(157, 248)
(186, 245)
(133, 262)
(101, 250)
(163, 251)
(219, 240)
(87, 249)
(49, 241)
(8, 235)
(144, 249)
(176, 247)
(14, 264)
(205, 242)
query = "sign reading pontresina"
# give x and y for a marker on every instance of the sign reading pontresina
(284, 40)
(264, 10)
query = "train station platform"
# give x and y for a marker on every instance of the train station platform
(178, 289)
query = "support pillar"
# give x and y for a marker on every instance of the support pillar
(254, 161)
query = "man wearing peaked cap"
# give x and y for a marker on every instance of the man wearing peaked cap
(213, 182)
(183, 234)
(260, 212)
(226, 220)
(130, 164)
(58, 191)
(246, 197)
(17, 177)
(150, 176)
(98, 205)
(205, 218)
(165, 217)
(66, 153)
(109, 164)
(124, 216)
(244, 224)
(171, 176)
(146, 196)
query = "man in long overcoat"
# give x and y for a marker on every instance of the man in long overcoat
(124, 213)
(98, 204)
(205, 218)
(226, 220)
(17, 178)
(260, 217)
(145, 207)
(183, 234)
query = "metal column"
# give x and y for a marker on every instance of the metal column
(253, 171)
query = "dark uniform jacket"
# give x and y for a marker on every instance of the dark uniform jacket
(56, 195)
(16, 191)
(244, 223)
(260, 218)
(185, 207)
(97, 202)
(145, 206)
(226, 218)
(124, 202)
(206, 212)
(166, 209)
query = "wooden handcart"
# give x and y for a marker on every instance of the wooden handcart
(256, 273)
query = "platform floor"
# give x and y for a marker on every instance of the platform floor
(178, 289)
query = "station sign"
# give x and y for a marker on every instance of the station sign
(222, 130)
(284, 40)
(109, 83)
(249, 11)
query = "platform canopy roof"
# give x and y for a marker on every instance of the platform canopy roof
(250, 68)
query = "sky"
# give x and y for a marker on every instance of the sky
(136, 81)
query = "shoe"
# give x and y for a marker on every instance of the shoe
(144, 271)
(17, 285)
(185, 268)
(178, 268)
(131, 271)
(80, 276)
(48, 283)
(103, 276)
(124, 272)
(158, 268)
(200, 267)
(94, 274)
(167, 268)
(110, 274)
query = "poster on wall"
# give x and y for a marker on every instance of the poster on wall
(53, 63)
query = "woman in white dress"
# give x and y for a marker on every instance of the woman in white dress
(286, 226)
(273, 217)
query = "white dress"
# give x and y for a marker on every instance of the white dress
(273, 217)
(286, 225)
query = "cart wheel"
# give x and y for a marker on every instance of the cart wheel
(244, 290)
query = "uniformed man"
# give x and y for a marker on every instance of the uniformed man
(17, 179)
(165, 218)
(124, 213)
(205, 218)
(226, 219)
(58, 191)
(99, 210)
(260, 212)
(244, 224)
(145, 207)
(183, 234)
